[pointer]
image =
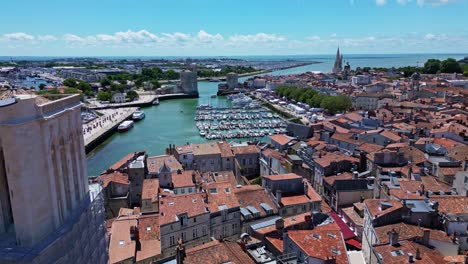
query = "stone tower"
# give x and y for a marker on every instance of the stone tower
(48, 213)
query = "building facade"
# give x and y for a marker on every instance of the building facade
(47, 212)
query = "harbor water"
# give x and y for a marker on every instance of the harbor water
(172, 122)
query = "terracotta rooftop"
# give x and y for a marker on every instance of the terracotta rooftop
(121, 247)
(220, 195)
(296, 199)
(327, 159)
(369, 148)
(279, 177)
(115, 176)
(148, 226)
(452, 204)
(374, 206)
(399, 254)
(184, 179)
(148, 249)
(225, 148)
(249, 149)
(281, 139)
(221, 176)
(155, 163)
(254, 195)
(209, 148)
(320, 244)
(171, 206)
(288, 222)
(343, 176)
(150, 189)
(216, 252)
(408, 232)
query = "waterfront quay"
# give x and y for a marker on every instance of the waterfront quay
(102, 127)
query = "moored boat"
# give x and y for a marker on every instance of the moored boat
(138, 115)
(125, 126)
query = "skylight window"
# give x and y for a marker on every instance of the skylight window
(316, 236)
(335, 251)
(396, 253)
(331, 235)
(121, 242)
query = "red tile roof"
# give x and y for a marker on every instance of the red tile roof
(281, 139)
(155, 163)
(150, 189)
(216, 252)
(279, 177)
(116, 176)
(171, 206)
(184, 179)
(319, 244)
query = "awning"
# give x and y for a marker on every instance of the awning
(345, 230)
(353, 242)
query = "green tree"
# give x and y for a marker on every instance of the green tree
(132, 95)
(450, 65)
(104, 96)
(172, 75)
(42, 86)
(70, 82)
(105, 82)
(70, 90)
(432, 66)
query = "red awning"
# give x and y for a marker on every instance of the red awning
(345, 230)
(353, 242)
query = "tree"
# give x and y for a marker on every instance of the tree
(132, 95)
(432, 66)
(172, 75)
(42, 86)
(104, 96)
(450, 65)
(105, 82)
(70, 82)
(71, 91)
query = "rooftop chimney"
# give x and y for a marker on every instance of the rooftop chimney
(410, 258)
(418, 254)
(278, 196)
(393, 237)
(426, 236)
(355, 175)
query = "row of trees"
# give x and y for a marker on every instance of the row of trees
(151, 75)
(333, 104)
(82, 86)
(431, 66)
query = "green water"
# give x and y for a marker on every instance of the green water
(170, 122)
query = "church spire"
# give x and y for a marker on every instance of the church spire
(338, 66)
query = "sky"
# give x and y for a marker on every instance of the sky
(231, 27)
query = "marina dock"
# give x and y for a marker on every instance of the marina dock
(98, 130)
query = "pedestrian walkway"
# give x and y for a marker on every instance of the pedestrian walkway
(106, 122)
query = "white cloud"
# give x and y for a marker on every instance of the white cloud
(433, 2)
(429, 36)
(333, 35)
(381, 2)
(313, 38)
(203, 36)
(46, 38)
(259, 37)
(18, 36)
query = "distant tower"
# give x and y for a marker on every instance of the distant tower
(48, 213)
(338, 66)
(232, 80)
(189, 82)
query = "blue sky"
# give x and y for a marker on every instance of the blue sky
(231, 27)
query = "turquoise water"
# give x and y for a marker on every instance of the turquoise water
(171, 122)
(166, 124)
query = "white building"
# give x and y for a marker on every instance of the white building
(361, 80)
(118, 98)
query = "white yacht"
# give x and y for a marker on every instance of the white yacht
(125, 126)
(138, 115)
